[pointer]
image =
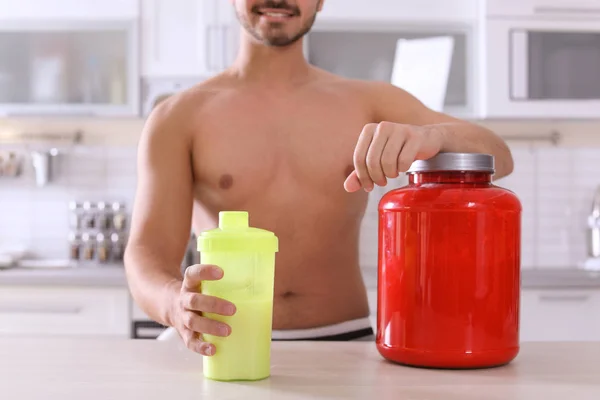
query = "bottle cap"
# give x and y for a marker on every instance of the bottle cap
(455, 162)
(234, 234)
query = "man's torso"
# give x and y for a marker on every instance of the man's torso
(283, 156)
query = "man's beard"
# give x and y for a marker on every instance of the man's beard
(275, 38)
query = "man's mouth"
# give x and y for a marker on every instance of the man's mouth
(278, 13)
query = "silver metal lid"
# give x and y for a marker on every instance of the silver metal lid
(455, 162)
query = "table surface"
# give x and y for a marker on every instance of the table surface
(146, 369)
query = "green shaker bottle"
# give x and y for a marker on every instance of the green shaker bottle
(247, 257)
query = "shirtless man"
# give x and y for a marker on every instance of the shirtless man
(296, 147)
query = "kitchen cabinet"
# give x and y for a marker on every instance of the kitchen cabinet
(44, 10)
(187, 37)
(399, 10)
(69, 67)
(543, 8)
(64, 311)
(560, 315)
(367, 51)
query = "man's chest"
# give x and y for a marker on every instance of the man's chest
(247, 150)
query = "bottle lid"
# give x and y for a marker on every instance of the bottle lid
(234, 234)
(467, 162)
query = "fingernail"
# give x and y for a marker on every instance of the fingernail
(230, 310)
(209, 351)
(224, 331)
(217, 273)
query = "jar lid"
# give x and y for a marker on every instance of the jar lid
(455, 162)
(234, 235)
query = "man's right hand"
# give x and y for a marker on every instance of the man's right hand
(187, 316)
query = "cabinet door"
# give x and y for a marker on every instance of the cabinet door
(69, 9)
(64, 311)
(544, 8)
(176, 37)
(560, 315)
(398, 10)
(74, 68)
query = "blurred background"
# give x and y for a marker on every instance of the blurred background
(79, 77)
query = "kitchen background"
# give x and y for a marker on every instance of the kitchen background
(78, 79)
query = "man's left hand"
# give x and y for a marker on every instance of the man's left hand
(386, 149)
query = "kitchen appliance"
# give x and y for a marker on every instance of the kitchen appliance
(449, 266)
(247, 257)
(43, 164)
(543, 61)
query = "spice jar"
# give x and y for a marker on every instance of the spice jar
(88, 249)
(102, 216)
(102, 248)
(449, 266)
(119, 217)
(117, 248)
(88, 218)
(74, 246)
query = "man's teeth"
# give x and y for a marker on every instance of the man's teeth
(278, 15)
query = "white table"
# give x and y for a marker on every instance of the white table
(90, 369)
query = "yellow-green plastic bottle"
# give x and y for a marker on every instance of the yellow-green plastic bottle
(247, 257)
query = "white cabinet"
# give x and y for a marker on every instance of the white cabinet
(64, 311)
(68, 9)
(187, 37)
(543, 8)
(69, 67)
(560, 315)
(399, 10)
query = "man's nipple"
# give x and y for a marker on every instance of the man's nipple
(226, 181)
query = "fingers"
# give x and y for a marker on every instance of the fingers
(379, 142)
(195, 274)
(389, 158)
(360, 156)
(408, 154)
(194, 342)
(197, 323)
(352, 183)
(198, 302)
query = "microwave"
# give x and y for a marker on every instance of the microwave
(543, 65)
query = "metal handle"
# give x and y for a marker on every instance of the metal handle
(566, 10)
(34, 309)
(553, 137)
(565, 297)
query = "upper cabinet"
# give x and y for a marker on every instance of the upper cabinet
(69, 58)
(187, 37)
(64, 10)
(543, 8)
(399, 10)
(403, 42)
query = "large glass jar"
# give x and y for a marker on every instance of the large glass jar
(449, 266)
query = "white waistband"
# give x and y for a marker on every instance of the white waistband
(329, 330)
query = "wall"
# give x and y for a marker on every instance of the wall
(555, 185)
(38, 217)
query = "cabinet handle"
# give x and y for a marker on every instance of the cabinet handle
(39, 310)
(565, 297)
(566, 10)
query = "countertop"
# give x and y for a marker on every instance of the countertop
(114, 275)
(126, 369)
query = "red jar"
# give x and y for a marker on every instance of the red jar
(449, 266)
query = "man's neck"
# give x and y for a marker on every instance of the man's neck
(270, 65)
